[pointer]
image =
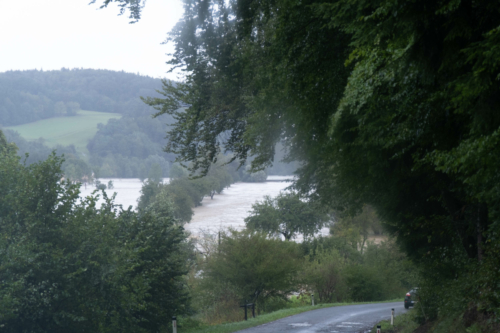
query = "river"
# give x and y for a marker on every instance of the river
(226, 210)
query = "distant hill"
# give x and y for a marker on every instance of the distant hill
(43, 110)
(28, 96)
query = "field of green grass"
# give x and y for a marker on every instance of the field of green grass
(76, 130)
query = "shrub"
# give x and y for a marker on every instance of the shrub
(68, 266)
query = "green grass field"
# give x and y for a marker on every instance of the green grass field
(77, 130)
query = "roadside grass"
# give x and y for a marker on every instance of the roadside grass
(76, 130)
(187, 325)
(403, 323)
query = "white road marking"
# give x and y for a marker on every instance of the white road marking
(300, 324)
(349, 323)
(343, 326)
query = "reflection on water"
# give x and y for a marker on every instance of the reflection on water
(227, 209)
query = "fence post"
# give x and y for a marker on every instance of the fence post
(253, 310)
(312, 299)
(174, 324)
(245, 310)
(378, 328)
(392, 317)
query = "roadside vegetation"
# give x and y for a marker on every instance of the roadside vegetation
(403, 323)
(293, 308)
(238, 267)
(414, 321)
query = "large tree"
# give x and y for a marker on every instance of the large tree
(286, 215)
(256, 266)
(393, 104)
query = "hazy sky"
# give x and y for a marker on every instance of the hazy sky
(50, 34)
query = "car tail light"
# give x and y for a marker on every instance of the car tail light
(408, 294)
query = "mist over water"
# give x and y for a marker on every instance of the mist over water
(226, 210)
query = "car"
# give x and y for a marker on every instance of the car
(411, 298)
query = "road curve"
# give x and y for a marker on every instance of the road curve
(341, 319)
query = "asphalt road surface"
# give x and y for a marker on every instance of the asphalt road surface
(341, 319)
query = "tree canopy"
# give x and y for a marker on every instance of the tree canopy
(73, 266)
(392, 104)
(286, 215)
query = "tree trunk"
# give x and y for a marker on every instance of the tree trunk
(363, 244)
(482, 216)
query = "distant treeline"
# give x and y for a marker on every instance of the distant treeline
(127, 147)
(27, 96)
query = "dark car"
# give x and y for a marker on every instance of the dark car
(411, 298)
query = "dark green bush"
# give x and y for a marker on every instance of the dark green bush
(68, 266)
(364, 283)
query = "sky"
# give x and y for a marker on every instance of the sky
(51, 34)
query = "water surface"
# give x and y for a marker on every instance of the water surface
(226, 210)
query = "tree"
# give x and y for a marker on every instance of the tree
(392, 104)
(60, 109)
(6, 148)
(258, 267)
(72, 108)
(177, 171)
(286, 215)
(71, 266)
(185, 193)
(358, 228)
(249, 176)
(323, 272)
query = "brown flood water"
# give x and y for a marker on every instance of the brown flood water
(226, 210)
(229, 209)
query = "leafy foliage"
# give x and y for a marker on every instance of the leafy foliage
(71, 266)
(184, 193)
(358, 228)
(324, 273)
(392, 104)
(256, 266)
(74, 167)
(286, 215)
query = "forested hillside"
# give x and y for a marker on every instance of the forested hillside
(27, 96)
(125, 147)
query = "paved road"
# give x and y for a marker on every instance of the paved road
(341, 319)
